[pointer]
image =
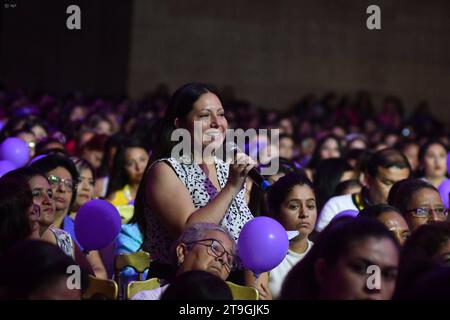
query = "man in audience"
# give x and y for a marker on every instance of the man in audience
(384, 168)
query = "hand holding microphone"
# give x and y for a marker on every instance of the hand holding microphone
(242, 166)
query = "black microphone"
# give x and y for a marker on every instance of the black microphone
(253, 173)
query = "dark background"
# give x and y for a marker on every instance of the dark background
(271, 52)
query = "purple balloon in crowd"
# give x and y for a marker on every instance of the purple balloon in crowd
(444, 191)
(262, 245)
(6, 166)
(346, 213)
(97, 224)
(15, 150)
(448, 163)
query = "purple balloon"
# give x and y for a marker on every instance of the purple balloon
(444, 191)
(6, 166)
(346, 213)
(448, 163)
(262, 245)
(15, 150)
(97, 224)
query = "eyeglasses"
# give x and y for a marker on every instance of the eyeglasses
(218, 251)
(56, 181)
(426, 212)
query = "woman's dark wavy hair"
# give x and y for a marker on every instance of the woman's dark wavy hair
(181, 103)
(333, 243)
(118, 177)
(15, 202)
(26, 173)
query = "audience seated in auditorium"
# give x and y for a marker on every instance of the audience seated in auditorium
(339, 265)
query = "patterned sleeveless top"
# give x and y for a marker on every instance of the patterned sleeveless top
(201, 189)
(64, 241)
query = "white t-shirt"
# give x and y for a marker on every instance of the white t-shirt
(277, 275)
(154, 294)
(334, 206)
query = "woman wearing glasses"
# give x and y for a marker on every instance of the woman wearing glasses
(63, 178)
(202, 246)
(418, 201)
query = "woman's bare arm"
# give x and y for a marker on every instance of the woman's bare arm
(169, 199)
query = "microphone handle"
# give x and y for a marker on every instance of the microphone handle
(258, 179)
(253, 173)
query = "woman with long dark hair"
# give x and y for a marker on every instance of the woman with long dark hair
(188, 187)
(129, 164)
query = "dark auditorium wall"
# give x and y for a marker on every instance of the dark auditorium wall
(273, 52)
(38, 52)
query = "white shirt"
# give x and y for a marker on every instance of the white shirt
(334, 206)
(154, 294)
(277, 275)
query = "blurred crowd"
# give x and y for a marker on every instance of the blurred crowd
(362, 177)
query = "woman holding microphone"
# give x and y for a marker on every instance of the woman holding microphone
(178, 191)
